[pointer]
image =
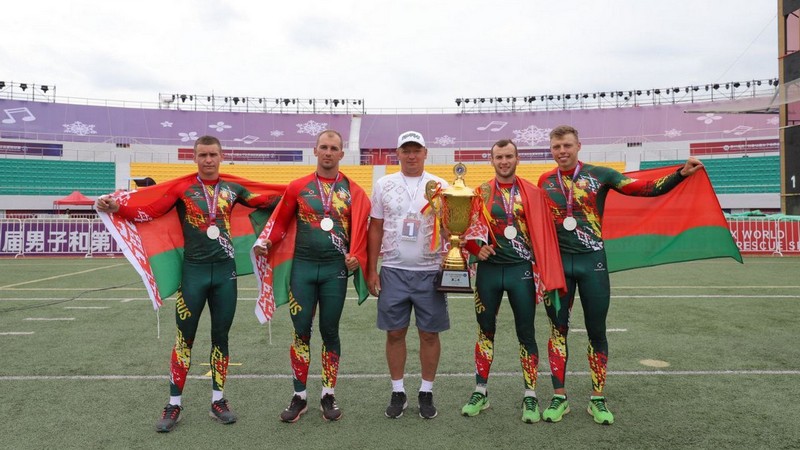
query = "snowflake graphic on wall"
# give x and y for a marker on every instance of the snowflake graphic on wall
(276, 133)
(79, 128)
(190, 136)
(219, 126)
(531, 135)
(709, 118)
(166, 124)
(673, 133)
(773, 120)
(311, 127)
(444, 141)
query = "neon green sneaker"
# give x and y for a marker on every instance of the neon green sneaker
(477, 403)
(558, 407)
(530, 410)
(599, 410)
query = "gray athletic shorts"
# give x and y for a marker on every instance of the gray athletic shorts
(402, 289)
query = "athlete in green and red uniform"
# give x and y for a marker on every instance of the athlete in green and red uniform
(579, 192)
(203, 203)
(323, 206)
(515, 224)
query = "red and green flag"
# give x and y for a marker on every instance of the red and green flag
(684, 224)
(155, 248)
(272, 272)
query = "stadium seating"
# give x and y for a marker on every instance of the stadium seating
(478, 173)
(47, 177)
(281, 174)
(747, 175)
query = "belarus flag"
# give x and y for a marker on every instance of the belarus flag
(683, 225)
(155, 248)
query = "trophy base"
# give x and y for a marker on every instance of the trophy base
(454, 281)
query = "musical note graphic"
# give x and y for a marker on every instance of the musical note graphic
(495, 125)
(249, 139)
(740, 130)
(11, 111)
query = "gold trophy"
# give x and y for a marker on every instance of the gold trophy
(454, 213)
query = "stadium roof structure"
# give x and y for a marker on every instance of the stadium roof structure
(786, 93)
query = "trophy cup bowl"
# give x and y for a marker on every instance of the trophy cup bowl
(455, 215)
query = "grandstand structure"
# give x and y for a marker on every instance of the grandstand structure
(50, 148)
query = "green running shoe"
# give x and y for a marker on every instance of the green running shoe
(530, 410)
(169, 418)
(599, 410)
(558, 407)
(477, 403)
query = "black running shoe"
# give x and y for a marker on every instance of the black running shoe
(169, 418)
(296, 408)
(330, 410)
(220, 411)
(397, 405)
(426, 408)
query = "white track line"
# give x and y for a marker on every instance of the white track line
(377, 376)
(706, 296)
(705, 287)
(77, 289)
(610, 330)
(16, 333)
(49, 318)
(452, 297)
(86, 307)
(60, 276)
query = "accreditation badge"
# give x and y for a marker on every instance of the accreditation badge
(410, 229)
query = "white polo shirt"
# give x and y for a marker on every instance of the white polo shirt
(407, 233)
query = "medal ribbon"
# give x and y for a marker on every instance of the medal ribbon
(327, 199)
(571, 187)
(211, 202)
(508, 205)
(436, 194)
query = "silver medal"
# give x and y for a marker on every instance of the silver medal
(510, 232)
(212, 232)
(326, 224)
(570, 223)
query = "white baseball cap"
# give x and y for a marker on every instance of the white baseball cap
(410, 136)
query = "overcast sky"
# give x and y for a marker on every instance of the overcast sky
(389, 53)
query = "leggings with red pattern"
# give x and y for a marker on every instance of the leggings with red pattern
(311, 285)
(214, 283)
(588, 272)
(491, 281)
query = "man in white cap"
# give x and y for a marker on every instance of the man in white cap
(402, 234)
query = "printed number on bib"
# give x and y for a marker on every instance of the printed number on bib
(410, 229)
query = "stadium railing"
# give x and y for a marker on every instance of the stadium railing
(776, 234)
(766, 235)
(56, 237)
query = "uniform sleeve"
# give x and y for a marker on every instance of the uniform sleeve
(639, 187)
(155, 209)
(261, 201)
(542, 179)
(285, 213)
